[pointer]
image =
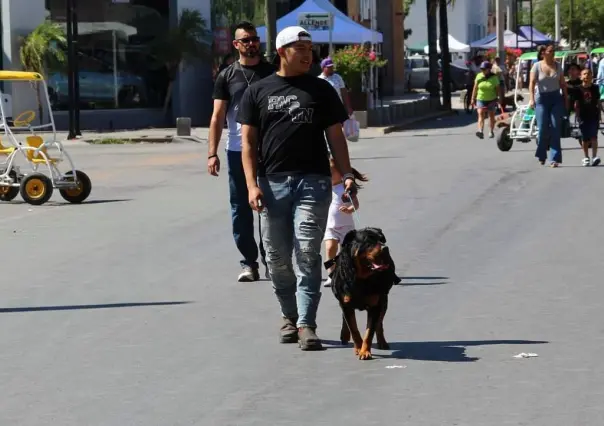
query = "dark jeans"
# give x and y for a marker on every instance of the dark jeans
(549, 110)
(242, 214)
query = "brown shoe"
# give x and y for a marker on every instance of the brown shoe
(308, 340)
(289, 332)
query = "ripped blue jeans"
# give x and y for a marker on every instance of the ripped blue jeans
(293, 223)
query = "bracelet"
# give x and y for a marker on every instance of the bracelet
(212, 156)
(347, 176)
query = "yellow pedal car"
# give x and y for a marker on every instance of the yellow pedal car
(40, 174)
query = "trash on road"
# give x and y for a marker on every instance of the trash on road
(396, 366)
(525, 355)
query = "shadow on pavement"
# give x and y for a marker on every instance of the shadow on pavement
(422, 281)
(91, 202)
(453, 351)
(461, 119)
(80, 307)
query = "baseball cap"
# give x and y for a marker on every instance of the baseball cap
(327, 62)
(291, 35)
(486, 65)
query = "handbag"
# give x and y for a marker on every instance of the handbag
(352, 129)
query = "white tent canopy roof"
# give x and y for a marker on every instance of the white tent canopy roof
(455, 46)
(345, 30)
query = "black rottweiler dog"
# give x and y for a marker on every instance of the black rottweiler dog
(363, 276)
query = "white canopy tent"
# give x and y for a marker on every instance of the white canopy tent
(345, 30)
(455, 46)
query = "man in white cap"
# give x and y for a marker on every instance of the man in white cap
(284, 119)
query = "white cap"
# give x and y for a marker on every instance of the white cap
(291, 35)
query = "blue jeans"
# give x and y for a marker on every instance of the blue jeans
(549, 110)
(242, 214)
(294, 220)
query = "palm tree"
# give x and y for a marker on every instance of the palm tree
(42, 51)
(188, 41)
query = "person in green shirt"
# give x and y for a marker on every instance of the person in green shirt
(487, 93)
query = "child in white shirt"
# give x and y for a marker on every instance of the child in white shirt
(339, 219)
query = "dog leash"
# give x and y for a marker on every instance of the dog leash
(356, 217)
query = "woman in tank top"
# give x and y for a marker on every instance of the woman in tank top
(549, 96)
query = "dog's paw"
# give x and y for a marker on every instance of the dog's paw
(365, 355)
(384, 346)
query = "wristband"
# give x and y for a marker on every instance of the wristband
(212, 156)
(347, 176)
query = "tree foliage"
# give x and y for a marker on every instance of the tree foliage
(588, 19)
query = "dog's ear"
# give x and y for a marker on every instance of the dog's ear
(380, 233)
(349, 237)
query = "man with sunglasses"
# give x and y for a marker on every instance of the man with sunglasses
(285, 118)
(228, 89)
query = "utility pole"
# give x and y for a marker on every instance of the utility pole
(571, 22)
(270, 22)
(76, 71)
(509, 14)
(500, 29)
(444, 50)
(557, 20)
(71, 58)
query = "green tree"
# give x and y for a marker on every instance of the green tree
(588, 19)
(406, 9)
(42, 51)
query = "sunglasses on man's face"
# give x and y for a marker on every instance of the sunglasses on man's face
(248, 40)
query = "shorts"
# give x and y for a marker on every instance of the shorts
(589, 130)
(602, 92)
(488, 105)
(338, 233)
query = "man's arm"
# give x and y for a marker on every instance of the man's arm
(339, 148)
(216, 125)
(249, 154)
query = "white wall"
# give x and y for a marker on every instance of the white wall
(19, 18)
(461, 16)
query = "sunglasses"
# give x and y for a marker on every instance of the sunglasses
(248, 40)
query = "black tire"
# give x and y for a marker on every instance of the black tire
(8, 193)
(36, 189)
(504, 142)
(80, 194)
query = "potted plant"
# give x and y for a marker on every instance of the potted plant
(353, 64)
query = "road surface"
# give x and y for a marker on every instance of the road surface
(126, 310)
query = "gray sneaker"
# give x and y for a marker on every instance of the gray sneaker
(288, 331)
(308, 340)
(248, 275)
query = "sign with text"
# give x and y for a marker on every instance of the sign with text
(316, 21)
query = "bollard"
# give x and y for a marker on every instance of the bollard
(183, 126)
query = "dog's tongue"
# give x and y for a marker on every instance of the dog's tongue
(377, 267)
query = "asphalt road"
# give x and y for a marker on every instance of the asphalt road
(126, 310)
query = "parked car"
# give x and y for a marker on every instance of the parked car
(460, 74)
(417, 72)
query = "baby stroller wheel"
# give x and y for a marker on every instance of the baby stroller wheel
(36, 189)
(8, 193)
(81, 191)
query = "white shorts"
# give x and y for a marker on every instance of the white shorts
(338, 233)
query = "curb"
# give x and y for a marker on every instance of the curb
(405, 124)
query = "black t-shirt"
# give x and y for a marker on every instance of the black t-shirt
(292, 114)
(230, 85)
(573, 90)
(589, 103)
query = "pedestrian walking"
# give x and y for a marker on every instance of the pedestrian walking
(285, 119)
(337, 82)
(587, 107)
(549, 96)
(229, 87)
(487, 91)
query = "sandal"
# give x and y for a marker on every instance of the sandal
(553, 164)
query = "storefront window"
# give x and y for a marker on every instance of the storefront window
(116, 65)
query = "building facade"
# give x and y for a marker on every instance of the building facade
(122, 85)
(467, 21)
